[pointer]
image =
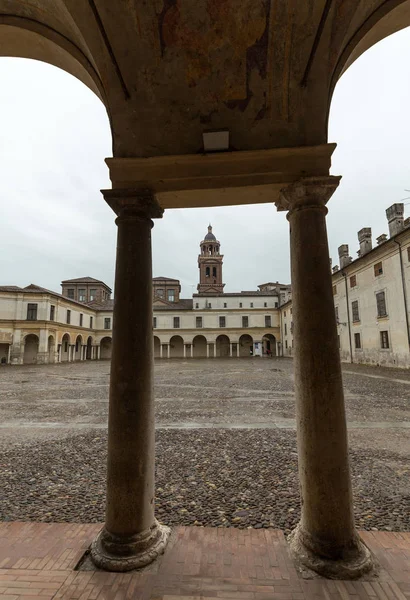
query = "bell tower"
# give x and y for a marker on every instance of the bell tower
(210, 265)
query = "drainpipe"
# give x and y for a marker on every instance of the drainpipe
(348, 317)
(403, 282)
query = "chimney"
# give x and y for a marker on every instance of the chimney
(381, 239)
(365, 240)
(394, 216)
(335, 269)
(344, 257)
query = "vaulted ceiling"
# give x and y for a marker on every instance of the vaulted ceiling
(167, 70)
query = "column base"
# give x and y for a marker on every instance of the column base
(125, 553)
(358, 559)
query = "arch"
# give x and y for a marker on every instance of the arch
(105, 348)
(65, 347)
(176, 347)
(245, 345)
(199, 344)
(222, 346)
(389, 18)
(28, 38)
(269, 345)
(89, 351)
(157, 347)
(78, 347)
(51, 347)
(31, 343)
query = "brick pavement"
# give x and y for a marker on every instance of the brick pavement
(37, 560)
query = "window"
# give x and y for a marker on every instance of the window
(337, 314)
(93, 294)
(91, 322)
(196, 305)
(384, 339)
(213, 271)
(52, 312)
(284, 314)
(276, 304)
(240, 304)
(286, 329)
(353, 281)
(198, 322)
(251, 304)
(334, 290)
(107, 323)
(355, 311)
(68, 319)
(207, 272)
(378, 269)
(268, 321)
(265, 305)
(155, 322)
(176, 322)
(245, 322)
(81, 319)
(81, 295)
(225, 305)
(286, 344)
(171, 295)
(32, 312)
(357, 341)
(222, 321)
(70, 293)
(160, 293)
(381, 304)
(209, 305)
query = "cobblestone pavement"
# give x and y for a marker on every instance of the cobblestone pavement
(226, 444)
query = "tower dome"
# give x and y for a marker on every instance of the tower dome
(210, 236)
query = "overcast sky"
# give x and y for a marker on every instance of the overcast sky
(54, 223)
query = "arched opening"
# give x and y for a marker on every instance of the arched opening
(65, 348)
(199, 346)
(157, 347)
(51, 349)
(30, 349)
(78, 347)
(176, 346)
(269, 345)
(89, 351)
(245, 345)
(105, 348)
(222, 346)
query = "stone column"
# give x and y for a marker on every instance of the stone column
(98, 348)
(207, 350)
(325, 540)
(160, 350)
(131, 537)
(168, 348)
(184, 350)
(238, 350)
(230, 349)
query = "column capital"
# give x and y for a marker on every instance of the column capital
(309, 191)
(140, 203)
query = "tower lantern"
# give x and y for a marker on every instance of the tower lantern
(210, 265)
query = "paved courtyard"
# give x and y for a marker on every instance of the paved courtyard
(226, 444)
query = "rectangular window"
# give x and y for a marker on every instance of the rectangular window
(32, 312)
(91, 322)
(245, 322)
(265, 305)
(337, 314)
(222, 321)
(286, 329)
(381, 304)
(52, 312)
(176, 322)
(355, 311)
(81, 295)
(70, 293)
(378, 269)
(251, 304)
(160, 293)
(384, 339)
(93, 294)
(357, 341)
(276, 305)
(198, 322)
(268, 321)
(334, 290)
(286, 344)
(68, 319)
(240, 304)
(284, 313)
(155, 322)
(107, 323)
(225, 305)
(171, 295)
(196, 305)
(81, 319)
(353, 281)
